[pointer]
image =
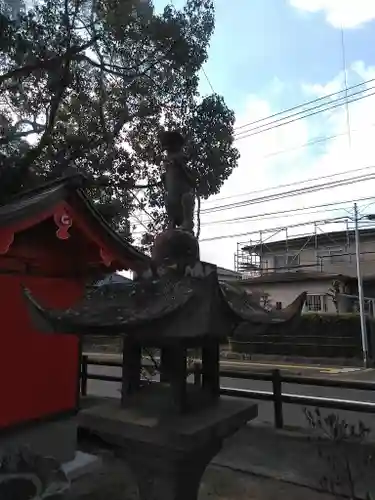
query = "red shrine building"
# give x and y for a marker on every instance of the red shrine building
(53, 242)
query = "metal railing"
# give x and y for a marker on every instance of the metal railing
(277, 396)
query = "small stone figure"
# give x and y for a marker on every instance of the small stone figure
(179, 183)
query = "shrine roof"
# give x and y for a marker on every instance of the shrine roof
(118, 309)
(169, 305)
(70, 189)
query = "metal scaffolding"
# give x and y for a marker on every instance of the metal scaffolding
(250, 260)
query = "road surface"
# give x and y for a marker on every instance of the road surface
(293, 414)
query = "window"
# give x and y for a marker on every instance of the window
(279, 306)
(316, 303)
(286, 261)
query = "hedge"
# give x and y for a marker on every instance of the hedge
(315, 335)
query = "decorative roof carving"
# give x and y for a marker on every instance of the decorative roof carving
(63, 199)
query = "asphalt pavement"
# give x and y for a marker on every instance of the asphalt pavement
(293, 414)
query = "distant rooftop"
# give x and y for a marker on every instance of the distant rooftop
(227, 273)
(323, 239)
(286, 277)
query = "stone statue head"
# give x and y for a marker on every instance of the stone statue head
(172, 141)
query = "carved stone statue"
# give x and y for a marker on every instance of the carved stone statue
(179, 183)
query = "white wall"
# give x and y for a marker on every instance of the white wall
(287, 292)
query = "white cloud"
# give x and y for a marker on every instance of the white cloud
(255, 149)
(323, 90)
(340, 13)
(258, 170)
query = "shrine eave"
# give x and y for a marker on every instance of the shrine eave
(169, 307)
(248, 310)
(32, 206)
(32, 202)
(165, 308)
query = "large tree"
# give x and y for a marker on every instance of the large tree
(90, 83)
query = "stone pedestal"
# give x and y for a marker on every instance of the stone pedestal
(166, 453)
(164, 474)
(175, 246)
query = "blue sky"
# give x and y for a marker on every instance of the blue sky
(266, 56)
(253, 44)
(256, 41)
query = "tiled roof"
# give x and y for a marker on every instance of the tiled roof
(331, 238)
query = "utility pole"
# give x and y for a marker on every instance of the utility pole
(360, 291)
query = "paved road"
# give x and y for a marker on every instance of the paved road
(293, 414)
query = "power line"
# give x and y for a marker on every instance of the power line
(307, 103)
(203, 70)
(336, 220)
(345, 71)
(278, 229)
(282, 213)
(315, 111)
(292, 193)
(261, 217)
(311, 142)
(295, 211)
(286, 194)
(296, 183)
(315, 141)
(295, 192)
(307, 189)
(300, 224)
(269, 216)
(208, 80)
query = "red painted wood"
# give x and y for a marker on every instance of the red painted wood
(24, 224)
(83, 223)
(38, 372)
(78, 219)
(6, 240)
(64, 222)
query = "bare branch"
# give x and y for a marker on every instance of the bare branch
(64, 80)
(50, 63)
(146, 186)
(12, 134)
(36, 127)
(107, 68)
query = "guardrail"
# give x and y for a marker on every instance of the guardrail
(277, 396)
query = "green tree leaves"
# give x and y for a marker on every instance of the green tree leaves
(90, 84)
